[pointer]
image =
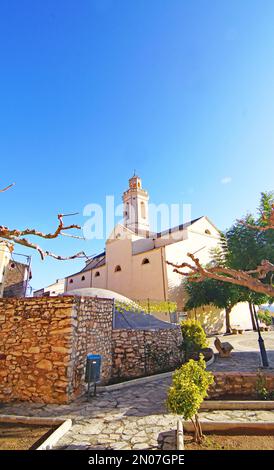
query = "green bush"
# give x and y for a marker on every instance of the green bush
(265, 317)
(188, 389)
(194, 337)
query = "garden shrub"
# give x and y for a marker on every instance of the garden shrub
(265, 317)
(194, 337)
(189, 387)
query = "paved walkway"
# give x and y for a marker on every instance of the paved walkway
(134, 417)
(245, 355)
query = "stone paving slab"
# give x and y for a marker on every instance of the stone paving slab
(131, 418)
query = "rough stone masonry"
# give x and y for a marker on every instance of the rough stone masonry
(44, 342)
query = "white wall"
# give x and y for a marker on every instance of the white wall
(240, 315)
(4, 261)
(213, 318)
(197, 242)
(100, 281)
(78, 281)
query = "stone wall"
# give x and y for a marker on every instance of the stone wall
(238, 383)
(142, 352)
(92, 335)
(43, 343)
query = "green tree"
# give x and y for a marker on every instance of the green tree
(189, 387)
(217, 293)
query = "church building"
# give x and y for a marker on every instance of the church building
(134, 260)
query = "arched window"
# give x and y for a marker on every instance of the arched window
(143, 210)
(145, 261)
(208, 232)
(117, 268)
(97, 274)
(83, 278)
(71, 281)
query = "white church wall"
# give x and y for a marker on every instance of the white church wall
(141, 245)
(196, 242)
(77, 281)
(169, 238)
(99, 281)
(148, 279)
(119, 253)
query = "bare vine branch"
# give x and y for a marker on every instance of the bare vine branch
(7, 187)
(16, 236)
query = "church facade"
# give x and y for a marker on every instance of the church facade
(134, 260)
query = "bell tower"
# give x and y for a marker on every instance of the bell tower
(135, 200)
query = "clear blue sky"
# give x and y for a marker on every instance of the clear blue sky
(183, 91)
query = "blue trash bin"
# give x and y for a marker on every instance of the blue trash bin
(93, 370)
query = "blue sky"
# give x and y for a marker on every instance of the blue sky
(89, 90)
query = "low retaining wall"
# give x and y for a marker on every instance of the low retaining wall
(141, 352)
(238, 383)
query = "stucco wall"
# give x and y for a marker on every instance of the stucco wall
(148, 280)
(213, 318)
(80, 280)
(118, 252)
(135, 280)
(196, 241)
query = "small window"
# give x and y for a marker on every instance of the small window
(145, 261)
(71, 281)
(83, 278)
(117, 268)
(12, 266)
(208, 232)
(97, 274)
